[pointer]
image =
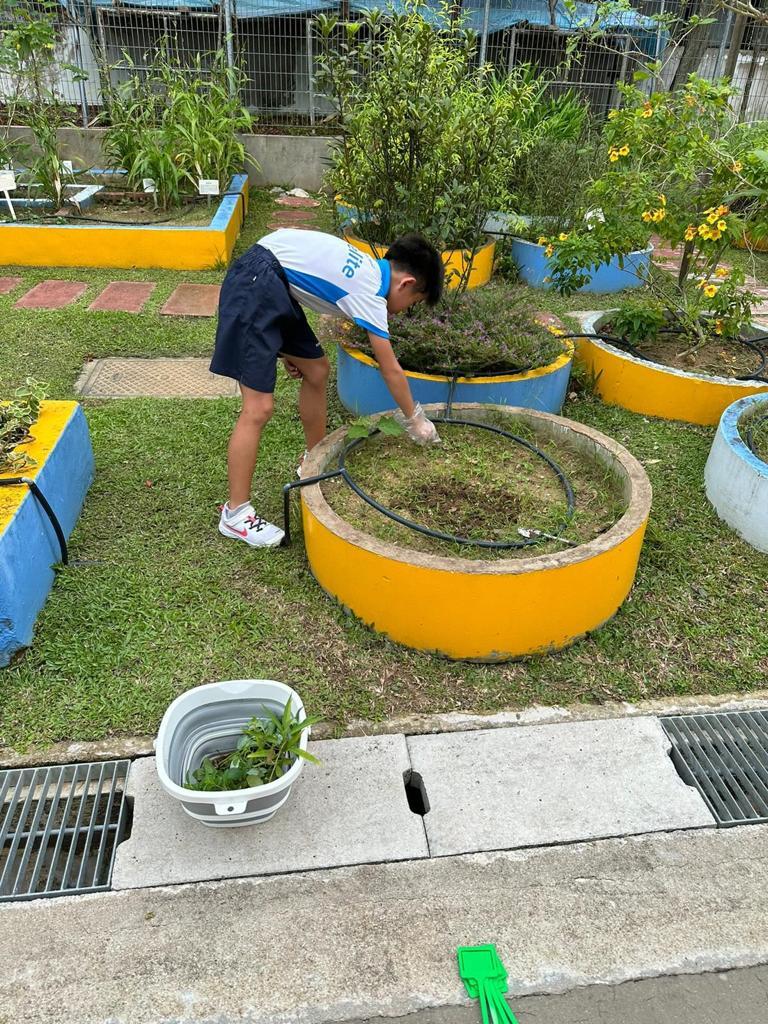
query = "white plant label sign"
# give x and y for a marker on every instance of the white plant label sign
(148, 184)
(208, 186)
(7, 180)
(67, 167)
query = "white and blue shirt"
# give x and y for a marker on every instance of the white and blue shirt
(331, 276)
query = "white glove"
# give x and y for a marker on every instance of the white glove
(418, 427)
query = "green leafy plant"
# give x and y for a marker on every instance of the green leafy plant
(363, 426)
(639, 319)
(425, 134)
(27, 58)
(266, 750)
(486, 330)
(16, 418)
(176, 124)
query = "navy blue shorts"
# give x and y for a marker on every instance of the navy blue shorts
(259, 320)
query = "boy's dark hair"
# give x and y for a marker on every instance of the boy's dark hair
(415, 255)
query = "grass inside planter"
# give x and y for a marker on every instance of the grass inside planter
(485, 331)
(480, 485)
(753, 428)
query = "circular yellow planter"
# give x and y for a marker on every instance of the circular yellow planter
(654, 389)
(472, 609)
(748, 242)
(455, 261)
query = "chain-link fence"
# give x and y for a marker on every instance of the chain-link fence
(274, 44)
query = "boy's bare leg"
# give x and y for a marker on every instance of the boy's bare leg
(313, 399)
(244, 443)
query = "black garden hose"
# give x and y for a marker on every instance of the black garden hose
(17, 481)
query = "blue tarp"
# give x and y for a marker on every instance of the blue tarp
(503, 13)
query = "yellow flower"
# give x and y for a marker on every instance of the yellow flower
(710, 290)
(721, 272)
(736, 166)
(659, 215)
(563, 236)
(662, 199)
(558, 331)
(612, 114)
(722, 210)
(712, 217)
(613, 156)
(690, 232)
(542, 240)
(690, 101)
(714, 234)
(549, 250)
(647, 110)
(704, 230)
(722, 226)
(719, 325)
(647, 216)
(624, 151)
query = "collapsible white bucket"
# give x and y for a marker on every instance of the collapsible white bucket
(209, 720)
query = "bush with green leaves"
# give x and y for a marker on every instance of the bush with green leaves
(176, 124)
(267, 749)
(28, 61)
(486, 330)
(16, 418)
(426, 135)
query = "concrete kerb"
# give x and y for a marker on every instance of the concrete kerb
(132, 747)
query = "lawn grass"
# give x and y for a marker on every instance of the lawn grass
(155, 601)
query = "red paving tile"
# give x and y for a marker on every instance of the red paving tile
(294, 216)
(7, 284)
(193, 300)
(297, 202)
(51, 295)
(123, 296)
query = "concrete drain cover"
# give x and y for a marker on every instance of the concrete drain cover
(725, 756)
(60, 827)
(153, 378)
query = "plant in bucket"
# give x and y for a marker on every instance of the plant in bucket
(230, 752)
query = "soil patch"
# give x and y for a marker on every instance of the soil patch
(722, 358)
(480, 485)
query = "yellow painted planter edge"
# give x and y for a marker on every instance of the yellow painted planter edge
(538, 371)
(152, 247)
(623, 528)
(54, 416)
(700, 398)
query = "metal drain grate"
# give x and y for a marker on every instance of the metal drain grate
(59, 828)
(725, 756)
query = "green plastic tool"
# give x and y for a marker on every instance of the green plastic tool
(485, 979)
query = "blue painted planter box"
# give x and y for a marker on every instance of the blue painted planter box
(534, 267)
(28, 545)
(362, 390)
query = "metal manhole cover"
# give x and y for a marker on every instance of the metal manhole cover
(725, 756)
(187, 377)
(60, 826)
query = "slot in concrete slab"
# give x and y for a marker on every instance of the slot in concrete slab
(351, 809)
(153, 378)
(193, 300)
(51, 295)
(123, 297)
(548, 784)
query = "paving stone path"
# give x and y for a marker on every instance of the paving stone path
(198, 300)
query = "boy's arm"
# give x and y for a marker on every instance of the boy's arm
(392, 372)
(417, 426)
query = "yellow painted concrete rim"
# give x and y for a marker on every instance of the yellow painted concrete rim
(672, 371)
(633, 519)
(538, 371)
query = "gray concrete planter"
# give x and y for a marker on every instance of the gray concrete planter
(209, 720)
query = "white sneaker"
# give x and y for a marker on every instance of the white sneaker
(246, 525)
